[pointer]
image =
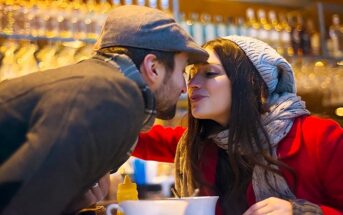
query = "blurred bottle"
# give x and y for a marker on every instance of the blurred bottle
(184, 22)
(300, 37)
(164, 5)
(91, 21)
(126, 191)
(241, 28)
(20, 15)
(2, 15)
(197, 29)
(265, 27)
(274, 36)
(314, 37)
(116, 3)
(220, 27)
(8, 16)
(128, 2)
(305, 37)
(152, 3)
(285, 37)
(209, 29)
(64, 19)
(52, 18)
(252, 25)
(139, 167)
(78, 26)
(336, 36)
(38, 18)
(140, 2)
(232, 28)
(103, 9)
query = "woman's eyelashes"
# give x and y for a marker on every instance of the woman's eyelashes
(211, 74)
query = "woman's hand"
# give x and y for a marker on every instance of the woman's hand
(270, 206)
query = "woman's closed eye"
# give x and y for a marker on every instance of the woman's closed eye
(211, 74)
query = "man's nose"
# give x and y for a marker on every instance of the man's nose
(184, 86)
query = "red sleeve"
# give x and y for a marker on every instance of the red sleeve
(331, 167)
(158, 144)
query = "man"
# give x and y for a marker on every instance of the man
(62, 130)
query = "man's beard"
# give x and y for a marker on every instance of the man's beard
(166, 113)
(165, 108)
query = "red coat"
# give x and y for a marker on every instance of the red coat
(313, 148)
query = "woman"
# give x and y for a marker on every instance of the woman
(250, 139)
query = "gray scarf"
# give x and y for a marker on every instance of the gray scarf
(277, 123)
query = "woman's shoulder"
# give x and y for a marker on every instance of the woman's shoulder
(311, 120)
(311, 133)
(317, 127)
(320, 133)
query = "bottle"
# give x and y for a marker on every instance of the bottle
(232, 28)
(315, 37)
(140, 2)
(209, 30)
(263, 32)
(2, 15)
(239, 27)
(252, 25)
(152, 3)
(305, 38)
(275, 32)
(285, 37)
(221, 30)
(8, 16)
(197, 31)
(126, 191)
(164, 4)
(185, 23)
(336, 35)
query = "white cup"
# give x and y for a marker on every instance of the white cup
(150, 207)
(200, 205)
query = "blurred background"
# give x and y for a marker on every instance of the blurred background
(36, 35)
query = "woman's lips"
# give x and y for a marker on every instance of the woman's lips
(196, 98)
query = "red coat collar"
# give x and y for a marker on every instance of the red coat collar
(286, 150)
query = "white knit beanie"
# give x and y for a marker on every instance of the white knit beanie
(274, 69)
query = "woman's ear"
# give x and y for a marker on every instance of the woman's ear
(152, 71)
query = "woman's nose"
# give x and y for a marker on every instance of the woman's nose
(194, 82)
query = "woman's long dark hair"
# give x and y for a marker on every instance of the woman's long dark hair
(247, 136)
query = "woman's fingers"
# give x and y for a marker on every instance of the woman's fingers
(270, 206)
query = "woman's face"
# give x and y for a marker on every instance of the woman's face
(209, 90)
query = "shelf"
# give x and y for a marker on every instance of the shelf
(37, 38)
(288, 3)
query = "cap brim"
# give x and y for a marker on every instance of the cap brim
(197, 56)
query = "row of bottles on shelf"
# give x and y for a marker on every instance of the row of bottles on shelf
(18, 58)
(290, 35)
(321, 79)
(78, 19)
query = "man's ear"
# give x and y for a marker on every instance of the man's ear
(152, 71)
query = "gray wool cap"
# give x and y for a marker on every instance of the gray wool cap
(274, 69)
(148, 28)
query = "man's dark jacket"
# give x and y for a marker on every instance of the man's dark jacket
(61, 130)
